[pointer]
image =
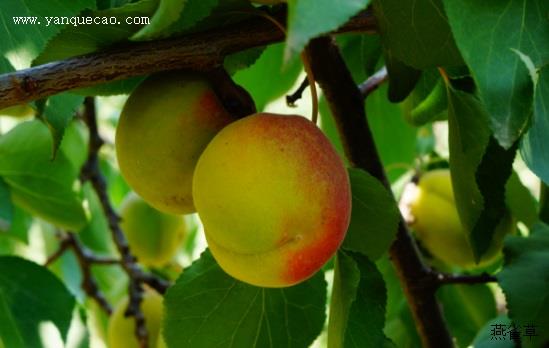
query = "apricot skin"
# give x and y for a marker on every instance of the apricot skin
(165, 125)
(121, 330)
(437, 225)
(154, 237)
(274, 198)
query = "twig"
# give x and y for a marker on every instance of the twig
(373, 82)
(86, 259)
(292, 98)
(198, 51)
(88, 282)
(63, 246)
(91, 172)
(347, 106)
(444, 278)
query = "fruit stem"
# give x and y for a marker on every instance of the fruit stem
(304, 59)
(312, 84)
(444, 76)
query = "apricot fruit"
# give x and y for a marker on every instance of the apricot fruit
(154, 237)
(18, 111)
(437, 225)
(274, 198)
(164, 126)
(121, 329)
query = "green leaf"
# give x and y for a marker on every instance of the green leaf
(5, 66)
(78, 40)
(20, 225)
(308, 19)
(402, 78)
(6, 206)
(488, 34)
(480, 169)
(371, 53)
(357, 309)
(105, 4)
(194, 12)
(208, 308)
(521, 203)
(24, 42)
(485, 339)
(168, 12)
(395, 139)
(431, 107)
(75, 144)
(265, 68)
(57, 112)
(202, 15)
(400, 326)
(41, 186)
(242, 60)
(29, 296)
(534, 147)
(417, 32)
(374, 217)
(467, 308)
(525, 280)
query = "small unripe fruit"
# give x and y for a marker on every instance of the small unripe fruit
(274, 198)
(165, 125)
(121, 330)
(18, 111)
(436, 223)
(154, 237)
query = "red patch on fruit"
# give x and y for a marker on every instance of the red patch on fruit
(211, 111)
(303, 263)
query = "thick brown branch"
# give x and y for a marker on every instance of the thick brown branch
(347, 106)
(91, 172)
(199, 52)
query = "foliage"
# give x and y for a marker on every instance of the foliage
(467, 88)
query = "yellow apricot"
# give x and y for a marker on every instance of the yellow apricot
(274, 198)
(121, 329)
(165, 125)
(18, 111)
(154, 237)
(437, 225)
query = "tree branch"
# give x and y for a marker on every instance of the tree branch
(91, 172)
(347, 106)
(373, 82)
(86, 259)
(444, 278)
(199, 51)
(292, 98)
